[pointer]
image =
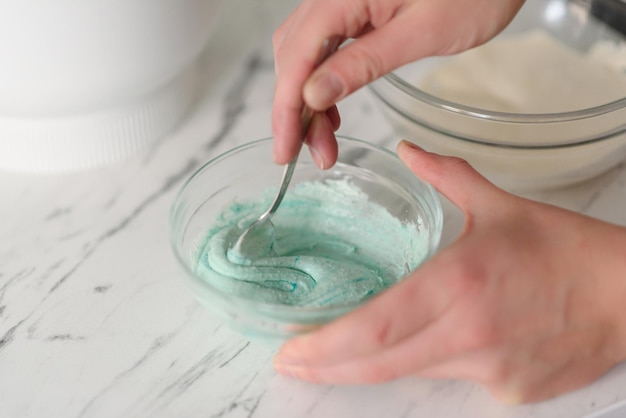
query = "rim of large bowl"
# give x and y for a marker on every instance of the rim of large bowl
(277, 308)
(507, 117)
(498, 116)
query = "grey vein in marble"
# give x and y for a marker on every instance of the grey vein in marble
(234, 102)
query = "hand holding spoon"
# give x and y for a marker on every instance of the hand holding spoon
(328, 48)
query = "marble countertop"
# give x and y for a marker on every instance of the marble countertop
(95, 320)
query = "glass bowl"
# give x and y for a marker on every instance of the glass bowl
(246, 174)
(532, 148)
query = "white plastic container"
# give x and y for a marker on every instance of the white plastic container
(86, 83)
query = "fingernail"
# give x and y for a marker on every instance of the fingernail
(411, 145)
(283, 369)
(286, 364)
(510, 399)
(318, 159)
(323, 90)
(290, 370)
(286, 356)
(289, 353)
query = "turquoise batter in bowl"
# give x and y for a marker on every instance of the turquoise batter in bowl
(340, 236)
(330, 245)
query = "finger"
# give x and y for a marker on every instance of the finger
(334, 117)
(375, 53)
(384, 321)
(299, 51)
(321, 141)
(282, 32)
(396, 34)
(432, 344)
(480, 366)
(286, 126)
(285, 27)
(515, 380)
(320, 138)
(475, 367)
(451, 176)
(577, 374)
(287, 107)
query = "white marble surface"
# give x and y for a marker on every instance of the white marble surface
(95, 320)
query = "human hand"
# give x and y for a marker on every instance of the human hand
(528, 301)
(388, 33)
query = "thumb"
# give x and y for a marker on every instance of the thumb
(375, 53)
(453, 177)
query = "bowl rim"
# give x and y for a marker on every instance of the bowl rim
(498, 116)
(280, 309)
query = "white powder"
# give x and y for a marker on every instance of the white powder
(531, 73)
(526, 73)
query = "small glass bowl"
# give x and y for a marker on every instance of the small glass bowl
(521, 151)
(244, 173)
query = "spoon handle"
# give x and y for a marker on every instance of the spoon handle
(328, 48)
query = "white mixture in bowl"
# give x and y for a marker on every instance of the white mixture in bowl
(531, 73)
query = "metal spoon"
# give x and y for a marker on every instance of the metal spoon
(329, 46)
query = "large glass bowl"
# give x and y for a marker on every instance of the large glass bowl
(522, 151)
(243, 173)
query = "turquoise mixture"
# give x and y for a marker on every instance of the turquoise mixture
(329, 245)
